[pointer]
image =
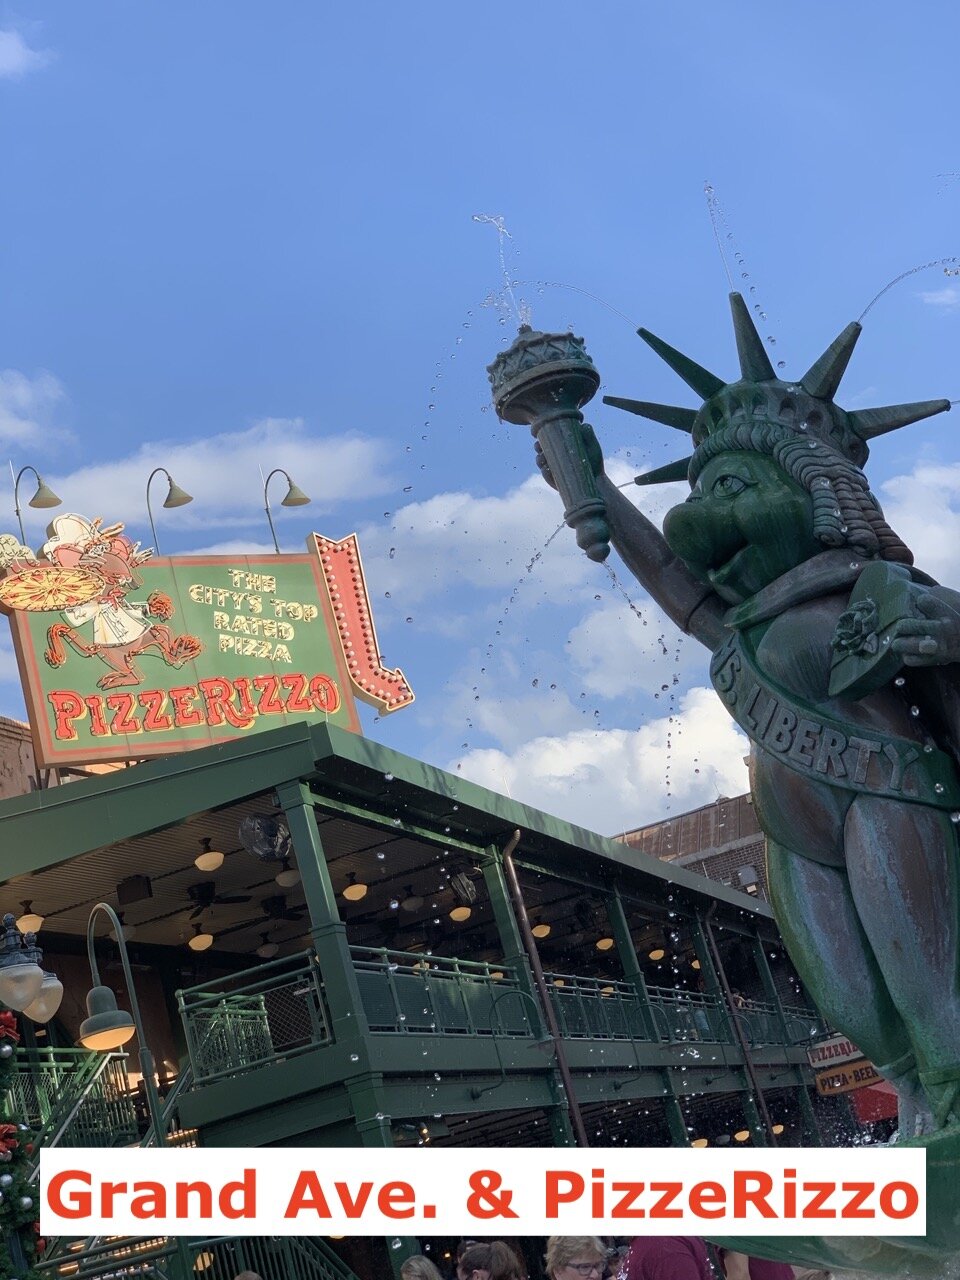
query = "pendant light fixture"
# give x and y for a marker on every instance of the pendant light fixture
(30, 921)
(267, 949)
(410, 901)
(355, 889)
(288, 875)
(208, 859)
(201, 940)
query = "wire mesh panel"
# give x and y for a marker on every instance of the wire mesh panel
(261, 1015)
(85, 1096)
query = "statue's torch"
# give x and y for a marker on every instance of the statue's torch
(544, 380)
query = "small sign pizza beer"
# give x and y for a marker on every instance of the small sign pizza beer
(124, 655)
(855, 1075)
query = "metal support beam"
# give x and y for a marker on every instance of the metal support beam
(764, 1125)
(341, 989)
(627, 953)
(810, 1122)
(759, 1126)
(708, 972)
(520, 907)
(676, 1123)
(515, 954)
(373, 1128)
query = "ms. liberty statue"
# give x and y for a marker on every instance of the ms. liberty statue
(834, 655)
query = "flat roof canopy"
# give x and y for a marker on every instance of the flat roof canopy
(67, 847)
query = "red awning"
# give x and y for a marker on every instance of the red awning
(874, 1102)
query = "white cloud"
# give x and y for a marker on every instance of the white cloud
(613, 649)
(223, 474)
(617, 779)
(17, 59)
(494, 543)
(924, 508)
(28, 408)
(947, 298)
(232, 547)
(482, 543)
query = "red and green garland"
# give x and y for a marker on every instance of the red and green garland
(19, 1229)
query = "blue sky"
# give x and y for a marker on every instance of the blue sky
(237, 235)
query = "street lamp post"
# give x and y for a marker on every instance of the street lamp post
(176, 497)
(295, 497)
(108, 1027)
(44, 497)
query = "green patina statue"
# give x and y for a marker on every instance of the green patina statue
(837, 659)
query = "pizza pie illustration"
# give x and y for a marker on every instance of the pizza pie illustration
(84, 572)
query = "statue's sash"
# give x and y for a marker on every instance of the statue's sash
(824, 748)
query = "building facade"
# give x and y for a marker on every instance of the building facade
(387, 955)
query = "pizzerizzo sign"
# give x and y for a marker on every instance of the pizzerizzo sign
(124, 656)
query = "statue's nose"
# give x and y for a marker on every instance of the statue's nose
(702, 535)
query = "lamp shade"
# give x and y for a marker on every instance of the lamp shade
(295, 497)
(354, 891)
(106, 1027)
(48, 1001)
(604, 944)
(20, 983)
(44, 497)
(288, 877)
(208, 859)
(30, 921)
(267, 949)
(176, 497)
(541, 929)
(201, 940)
(460, 914)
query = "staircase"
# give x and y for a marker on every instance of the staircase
(74, 1099)
(218, 1258)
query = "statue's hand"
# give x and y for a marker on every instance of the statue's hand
(592, 452)
(932, 640)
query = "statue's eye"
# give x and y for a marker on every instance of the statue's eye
(728, 486)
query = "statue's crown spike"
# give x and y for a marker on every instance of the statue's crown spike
(733, 413)
(670, 415)
(868, 423)
(754, 362)
(823, 377)
(704, 383)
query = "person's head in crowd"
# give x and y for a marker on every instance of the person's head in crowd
(247, 1275)
(568, 1257)
(419, 1268)
(489, 1260)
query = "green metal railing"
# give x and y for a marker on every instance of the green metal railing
(805, 1025)
(437, 995)
(273, 1258)
(217, 1258)
(266, 1014)
(597, 1008)
(74, 1098)
(681, 1016)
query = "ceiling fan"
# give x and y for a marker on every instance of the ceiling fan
(204, 895)
(275, 908)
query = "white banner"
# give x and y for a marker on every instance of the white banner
(499, 1191)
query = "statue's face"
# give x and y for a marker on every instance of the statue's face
(744, 525)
